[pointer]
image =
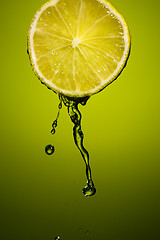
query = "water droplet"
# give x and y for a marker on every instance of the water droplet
(49, 149)
(89, 190)
(57, 238)
(98, 71)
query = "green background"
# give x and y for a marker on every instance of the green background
(41, 195)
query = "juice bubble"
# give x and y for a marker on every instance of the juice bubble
(49, 149)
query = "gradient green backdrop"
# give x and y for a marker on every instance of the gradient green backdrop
(41, 195)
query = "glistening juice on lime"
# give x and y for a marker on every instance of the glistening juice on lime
(77, 48)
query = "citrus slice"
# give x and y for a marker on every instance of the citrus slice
(78, 47)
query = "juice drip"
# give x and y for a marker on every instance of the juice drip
(54, 124)
(49, 149)
(75, 116)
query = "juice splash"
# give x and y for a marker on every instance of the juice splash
(75, 116)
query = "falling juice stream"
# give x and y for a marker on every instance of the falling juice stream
(75, 116)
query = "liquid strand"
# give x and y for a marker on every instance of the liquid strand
(75, 116)
(54, 124)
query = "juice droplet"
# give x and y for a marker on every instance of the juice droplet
(89, 190)
(57, 238)
(49, 149)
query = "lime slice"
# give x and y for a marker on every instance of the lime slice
(78, 47)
